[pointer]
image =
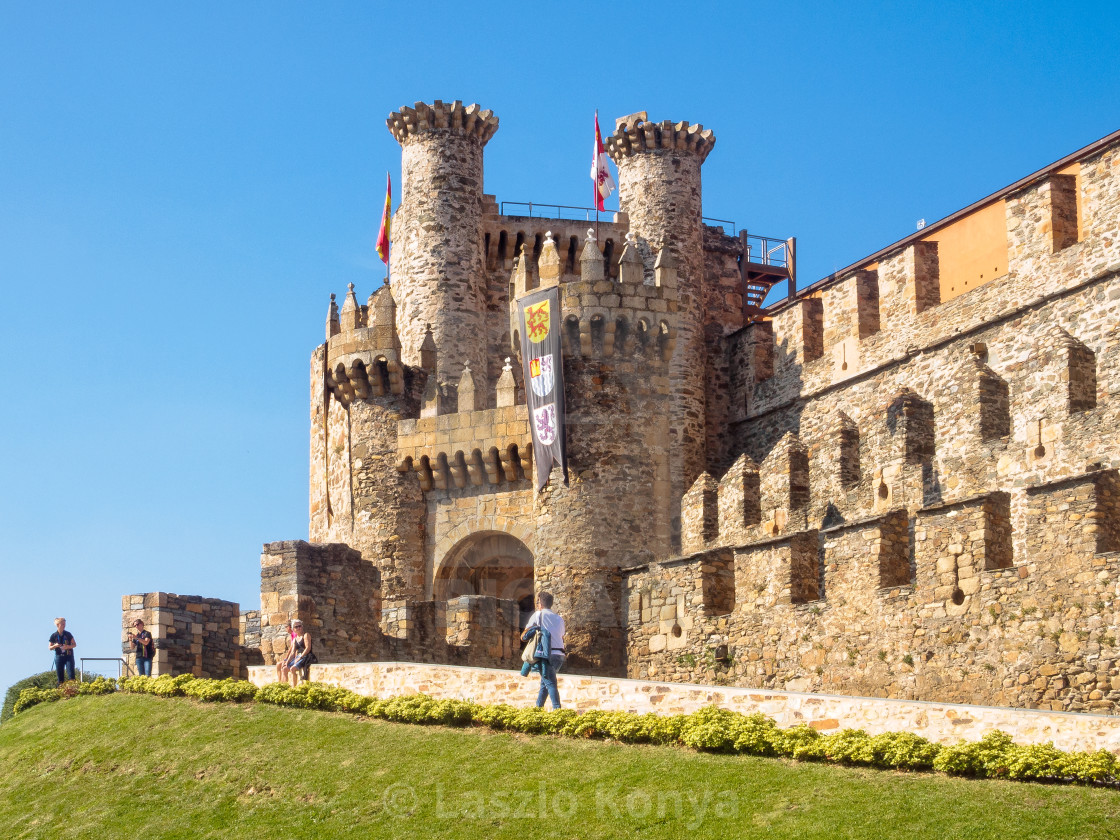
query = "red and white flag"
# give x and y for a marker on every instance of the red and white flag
(600, 169)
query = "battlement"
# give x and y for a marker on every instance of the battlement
(491, 447)
(634, 135)
(1003, 254)
(455, 118)
(363, 349)
(937, 602)
(603, 316)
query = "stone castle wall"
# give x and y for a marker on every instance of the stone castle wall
(923, 506)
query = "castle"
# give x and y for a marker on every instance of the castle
(898, 481)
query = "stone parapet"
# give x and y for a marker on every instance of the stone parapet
(637, 136)
(942, 604)
(492, 446)
(469, 120)
(944, 723)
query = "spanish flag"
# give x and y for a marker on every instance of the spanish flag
(386, 220)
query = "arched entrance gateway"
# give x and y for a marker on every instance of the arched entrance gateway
(488, 563)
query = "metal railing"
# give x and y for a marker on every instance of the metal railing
(734, 230)
(590, 214)
(122, 665)
(762, 250)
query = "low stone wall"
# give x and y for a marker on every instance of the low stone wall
(942, 722)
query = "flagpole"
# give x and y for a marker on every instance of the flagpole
(595, 181)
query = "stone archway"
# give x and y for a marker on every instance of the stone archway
(493, 563)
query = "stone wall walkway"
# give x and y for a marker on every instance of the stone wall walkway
(941, 722)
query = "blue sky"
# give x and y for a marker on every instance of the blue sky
(183, 185)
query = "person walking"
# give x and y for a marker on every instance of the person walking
(63, 644)
(144, 646)
(549, 630)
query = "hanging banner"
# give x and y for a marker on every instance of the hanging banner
(539, 316)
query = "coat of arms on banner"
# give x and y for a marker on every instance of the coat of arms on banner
(544, 421)
(537, 321)
(541, 377)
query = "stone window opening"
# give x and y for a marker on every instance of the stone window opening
(571, 334)
(610, 269)
(573, 255)
(598, 327)
(621, 335)
(1082, 378)
(642, 334)
(848, 445)
(503, 249)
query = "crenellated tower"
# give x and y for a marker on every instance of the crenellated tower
(659, 188)
(436, 259)
(618, 339)
(359, 392)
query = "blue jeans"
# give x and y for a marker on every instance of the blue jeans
(64, 665)
(548, 680)
(144, 666)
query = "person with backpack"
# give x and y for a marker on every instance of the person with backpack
(144, 646)
(63, 644)
(549, 655)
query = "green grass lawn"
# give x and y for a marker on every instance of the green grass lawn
(142, 767)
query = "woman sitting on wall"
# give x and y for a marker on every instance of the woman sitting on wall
(301, 656)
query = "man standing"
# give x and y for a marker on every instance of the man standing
(63, 644)
(144, 646)
(552, 660)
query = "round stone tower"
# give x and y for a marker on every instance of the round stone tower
(436, 258)
(618, 337)
(659, 188)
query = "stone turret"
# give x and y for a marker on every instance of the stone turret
(659, 188)
(436, 258)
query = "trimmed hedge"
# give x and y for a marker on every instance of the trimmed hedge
(47, 679)
(34, 696)
(710, 729)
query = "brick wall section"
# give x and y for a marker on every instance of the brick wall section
(193, 635)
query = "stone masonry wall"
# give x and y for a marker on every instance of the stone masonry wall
(934, 606)
(941, 722)
(337, 596)
(193, 635)
(331, 589)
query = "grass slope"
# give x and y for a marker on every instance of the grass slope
(136, 766)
